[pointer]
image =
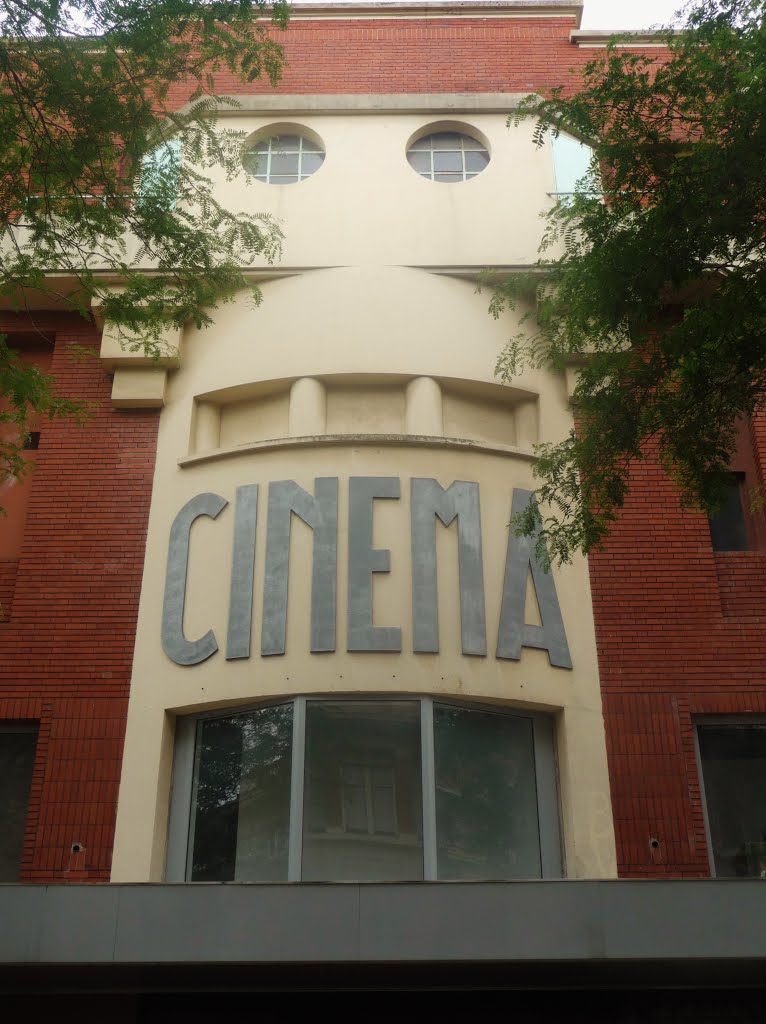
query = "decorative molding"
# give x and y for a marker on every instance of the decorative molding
(367, 440)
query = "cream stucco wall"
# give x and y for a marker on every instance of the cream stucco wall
(365, 366)
(351, 211)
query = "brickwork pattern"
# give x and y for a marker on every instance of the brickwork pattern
(681, 633)
(428, 55)
(69, 610)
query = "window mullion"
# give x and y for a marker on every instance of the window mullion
(430, 872)
(297, 779)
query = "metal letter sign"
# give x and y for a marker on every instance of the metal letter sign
(514, 633)
(461, 501)
(320, 512)
(363, 561)
(174, 643)
(242, 566)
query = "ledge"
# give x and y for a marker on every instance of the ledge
(350, 440)
(373, 103)
(711, 929)
(648, 39)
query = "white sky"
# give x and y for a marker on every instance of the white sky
(615, 14)
(628, 13)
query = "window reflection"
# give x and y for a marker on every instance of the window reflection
(356, 779)
(362, 815)
(242, 819)
(486, 795)
(734, 773)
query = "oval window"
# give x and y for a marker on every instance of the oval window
(283, 159)
(448, 156)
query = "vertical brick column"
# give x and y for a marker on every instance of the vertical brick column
(66, 647)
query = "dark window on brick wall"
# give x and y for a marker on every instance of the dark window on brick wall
(17, 758)
(728, 528)
(740, 524)
(733, 759)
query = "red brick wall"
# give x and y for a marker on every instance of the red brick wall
(436, 55)
(681, 632)
(66, 640)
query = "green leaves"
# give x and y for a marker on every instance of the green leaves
(656, 287)
(108, 142)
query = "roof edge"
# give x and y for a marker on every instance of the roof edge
(392, 9)
(588, 37)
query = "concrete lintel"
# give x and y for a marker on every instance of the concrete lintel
(372, 103)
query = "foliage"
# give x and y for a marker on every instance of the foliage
(655, 269)
(93, 189)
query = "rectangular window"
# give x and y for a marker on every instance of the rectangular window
(17, 759)
(728, 528)
(733, 762)
(364, 790)
(571, 163)
(739, 524)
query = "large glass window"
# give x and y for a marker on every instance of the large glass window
(733, 759)
(364, 789)
(17, 758)
(362, 813)
(486, 795)
(242, 797)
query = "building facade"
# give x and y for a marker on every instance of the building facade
(264, 620)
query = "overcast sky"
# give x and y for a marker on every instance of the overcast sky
(628, 13)
(617, 13)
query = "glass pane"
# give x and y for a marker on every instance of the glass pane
(486, 795)
(734, 773)
(254, 163)
(571, 162)
(285, 143)
(311, 162)
(363, 807)
(17, 758)
(448, 177)
(283, 179)
(284, 163)
(448, 162)
(469, 143)
(445, 140)
(421, 162)
(242, 810)
(421, 145)
(476, 161)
